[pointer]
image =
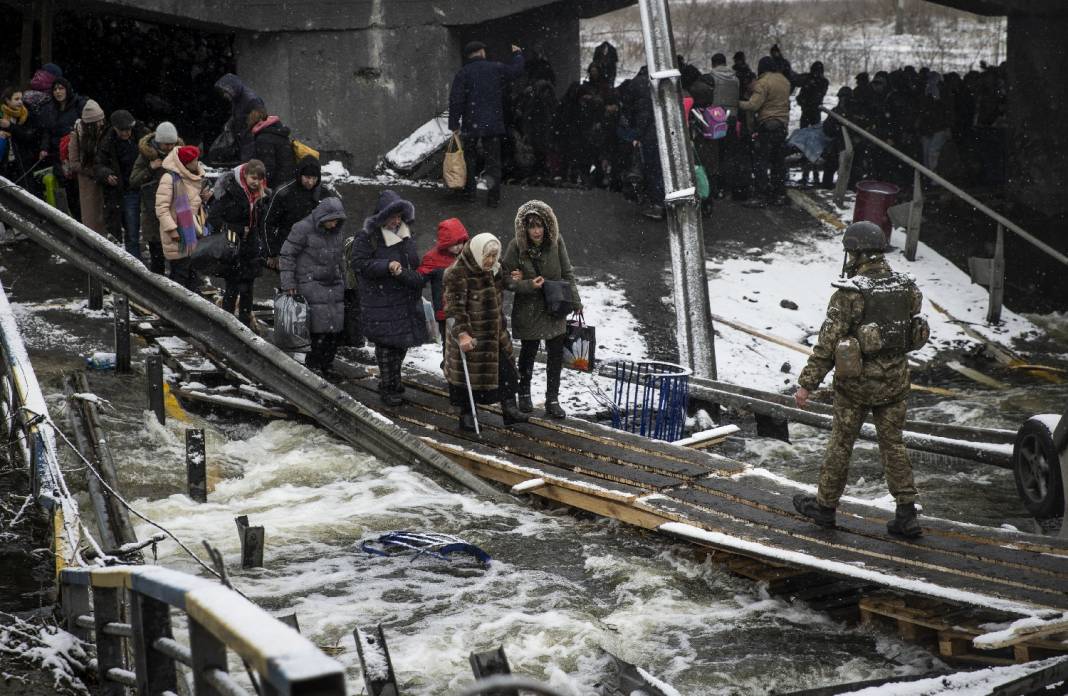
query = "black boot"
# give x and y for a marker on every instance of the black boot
(808, 506)
(511, 414)
(905, 523)
(525, 404)
(552, 408)
(467, 421)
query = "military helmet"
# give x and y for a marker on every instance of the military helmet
(864, 236)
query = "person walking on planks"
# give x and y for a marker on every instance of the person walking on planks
(872, 323)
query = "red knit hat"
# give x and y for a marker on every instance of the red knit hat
(188, 153)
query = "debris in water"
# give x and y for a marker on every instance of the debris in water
(418, 543)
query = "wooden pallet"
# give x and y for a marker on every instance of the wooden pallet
(949, 630)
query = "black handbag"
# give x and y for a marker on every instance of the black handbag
(557, 294)
(215, 254)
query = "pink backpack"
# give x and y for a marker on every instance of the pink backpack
(715, 122)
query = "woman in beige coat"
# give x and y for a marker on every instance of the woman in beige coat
(179, 208)
(81, 156)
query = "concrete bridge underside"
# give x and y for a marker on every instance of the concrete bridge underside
(353, 77)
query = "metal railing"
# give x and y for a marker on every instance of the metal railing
(30, 437)
(131, 615)
(989, 272)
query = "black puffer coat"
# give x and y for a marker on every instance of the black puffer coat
(310, 261)
(291, 203)
(391, 306)
(229, 210)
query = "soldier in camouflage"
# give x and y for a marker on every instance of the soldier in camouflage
(872, 323)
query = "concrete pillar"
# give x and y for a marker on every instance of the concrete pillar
(1037, 98)
(351, 94)
(354, 94)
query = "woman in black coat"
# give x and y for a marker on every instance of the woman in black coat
(57, 119)
(384, 259)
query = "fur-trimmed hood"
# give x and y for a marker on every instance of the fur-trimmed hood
(542, 210)
(389, 202)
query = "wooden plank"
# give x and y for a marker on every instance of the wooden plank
(520, 440)
(599, 433)
(993, 536)
(873, 524)
(185, 360)
(755, 526)
(221, 401)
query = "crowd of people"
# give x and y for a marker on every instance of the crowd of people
(601, 132)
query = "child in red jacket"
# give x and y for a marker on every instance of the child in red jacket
(451, 238)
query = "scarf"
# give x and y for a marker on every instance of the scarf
(17, 116)
(183, 213)
(390, 237)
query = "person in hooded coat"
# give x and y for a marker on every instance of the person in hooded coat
(116, 156)
(451, 238)
(291, 203)
(273, 147)
(237, 206)
(310, 265)
(474, 304)
(242, 101)
(536, 254)
(58, 117)
(385, 261)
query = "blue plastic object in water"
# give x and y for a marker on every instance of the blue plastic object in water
(420, 543)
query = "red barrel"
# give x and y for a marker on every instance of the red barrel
(874, 199)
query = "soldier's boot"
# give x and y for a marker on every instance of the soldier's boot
(905, 523)
(808, 506)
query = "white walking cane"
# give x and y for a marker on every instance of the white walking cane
(467, 376)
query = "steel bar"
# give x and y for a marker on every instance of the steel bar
(151, 620)
(335, 410)
(693, 324)
(997, 279)
(174, 650)
(121, 308)
(223, 683)
(117, 628)
(96, 293)
(252, 541)
(75, 599)
(915, 222)
(208, 654)
(154, 384)
(107, 610)
(196, 465)
(85, 621)
(952, 188)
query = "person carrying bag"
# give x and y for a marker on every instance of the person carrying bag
(537, 269)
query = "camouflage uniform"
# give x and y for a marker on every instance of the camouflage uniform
(881, 387)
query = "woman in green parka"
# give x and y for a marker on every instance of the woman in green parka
(537, 254)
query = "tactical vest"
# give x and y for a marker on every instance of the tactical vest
(885, 328)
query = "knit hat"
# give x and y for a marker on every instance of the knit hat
(188, 153)
(92, 113)
(122, 119)
(166, 133)
(53, 68)
(309, 166)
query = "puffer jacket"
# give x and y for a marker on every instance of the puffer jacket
(530, 319)
(176, 173)
(310, 261)
(473, 301)
(391, 306)
(234, 208)
(450, 233)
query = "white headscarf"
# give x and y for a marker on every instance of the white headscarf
(484, 244)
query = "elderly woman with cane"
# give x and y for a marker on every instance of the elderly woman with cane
(476, 327)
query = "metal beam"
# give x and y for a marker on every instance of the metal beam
(693, 321)
(332, 408)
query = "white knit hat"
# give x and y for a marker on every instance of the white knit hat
(166, 133)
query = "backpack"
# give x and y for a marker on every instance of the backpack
(715, 122)
(64, 156)
(301, 150)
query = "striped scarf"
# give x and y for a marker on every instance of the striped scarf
(183, 213)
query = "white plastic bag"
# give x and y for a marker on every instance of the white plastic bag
(432, 333)
(291, 331)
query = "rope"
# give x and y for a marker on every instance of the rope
(127, 505)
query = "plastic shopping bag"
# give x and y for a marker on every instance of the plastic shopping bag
(291, 331)
(580, 344)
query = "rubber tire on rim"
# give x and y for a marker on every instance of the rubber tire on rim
(1037, 469)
